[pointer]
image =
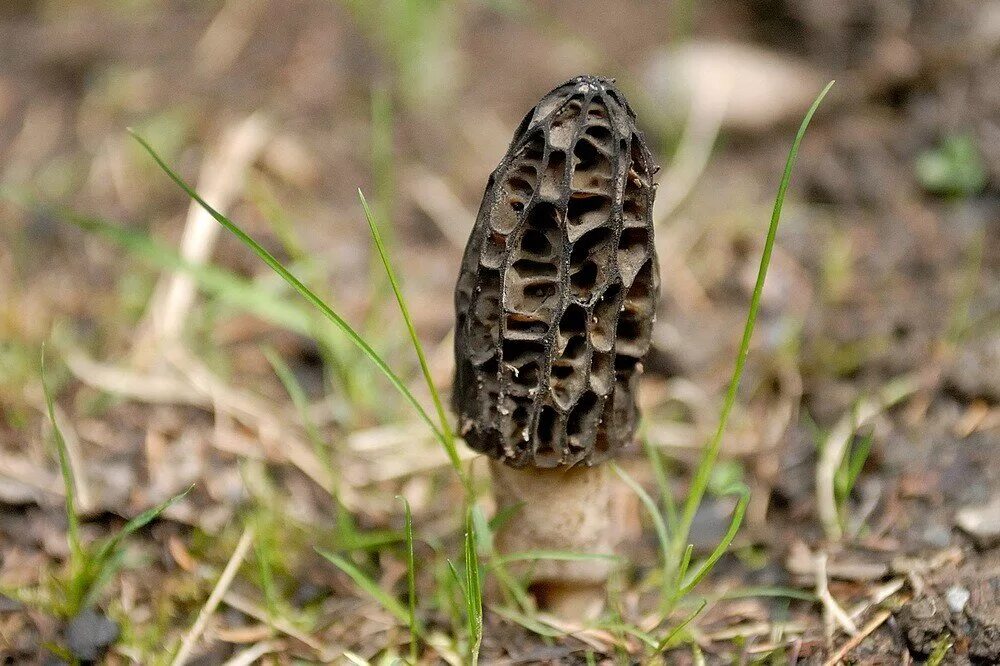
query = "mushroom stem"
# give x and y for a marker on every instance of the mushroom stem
(576, 510)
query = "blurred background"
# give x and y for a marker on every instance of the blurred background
(884, 289)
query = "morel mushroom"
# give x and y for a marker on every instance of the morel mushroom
(555, 303)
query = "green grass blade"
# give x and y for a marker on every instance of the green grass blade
(263, 197)
(266, 575)
(699, 483)
(411, 579)
(354, 539)
(665, 643)
(136, 524)
(623, 628)
(685, 563)
(101, 576)
(473, 590)
(528, 622)
(457, 576)
(389, 603)
(660, 473)
(69, 482)
(297, 396)
(504, 515)
(296, 284)
(514, 592)
(856, 462)
(720, 550)
(448, 437)
(651, 508)
(941, 649)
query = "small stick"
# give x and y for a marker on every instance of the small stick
(845, 649)
(218, 592)
(255, 652)
(830, 605)
(247, 607)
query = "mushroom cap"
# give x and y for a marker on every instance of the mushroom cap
(557, 292)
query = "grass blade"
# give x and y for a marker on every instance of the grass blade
(359, 577)
(296, 284)
(528, 622)
(266, 574)
(720, 550)
(473, 591)
(855, 462)
(411, 579)
(99, 576)
(665, 643)
(685, 563)
(69, 482)
(621, 629)
(660, 473)
(447, 436)
(699, 483)
(136, 524)
(654, 512)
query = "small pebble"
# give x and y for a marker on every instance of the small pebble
(981, 522)
(90, 634)
(956, 597)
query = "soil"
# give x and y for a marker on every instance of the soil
(882, 277)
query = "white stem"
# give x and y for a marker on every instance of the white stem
(575, 510)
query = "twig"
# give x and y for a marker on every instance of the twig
(247, 607)
(255, 652)
(880, 594)
(226, 36)
(831, 609)
(218, 592)
(845, 649)
(155, 389)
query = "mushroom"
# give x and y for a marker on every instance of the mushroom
(554, 304)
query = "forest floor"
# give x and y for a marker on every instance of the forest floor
(867, 426)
